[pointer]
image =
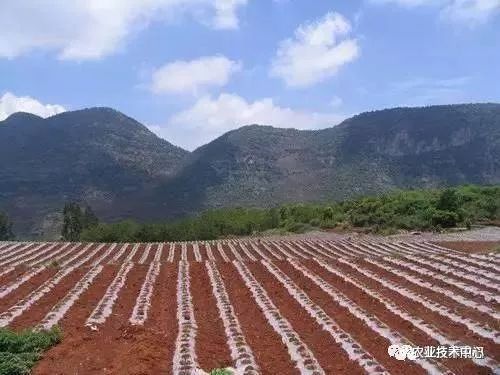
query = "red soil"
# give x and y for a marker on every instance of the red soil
(69, 255)
(117, 347)
(203, 251)
(38, 311)
(138, 253)
(229, 253)
(319, 342)
(162, 320)
(442, 284)
(471, 246)
(211, 342)
(190, 252)
(13, 275)
(270, 353)
(375, 307)
(151, 255)
(451, 329)
(25, 289)
(264, 251)
(374, 344)
(76, 349)
(438, 297)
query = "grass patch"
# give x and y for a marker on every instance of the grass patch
(19, 351)
(221, 371)
(54, 265)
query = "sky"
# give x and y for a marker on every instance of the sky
(191, 70)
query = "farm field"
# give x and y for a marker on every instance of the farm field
(302, 306)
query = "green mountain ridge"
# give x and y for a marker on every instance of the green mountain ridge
(123, 170)
(95, 155)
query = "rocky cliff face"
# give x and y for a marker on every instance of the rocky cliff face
(369, 153)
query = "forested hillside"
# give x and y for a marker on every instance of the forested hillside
(109, 161)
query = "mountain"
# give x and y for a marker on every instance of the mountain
(366, 154)
(94, 155)
(123, 170)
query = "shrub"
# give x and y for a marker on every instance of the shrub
(408, 210)
(448, 200)
(468, 223)
(444, 219)
(315, 222)
(221, 371)
(54, 265)
(297, 227)
(20, 351)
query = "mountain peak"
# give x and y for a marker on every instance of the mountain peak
(93, 112)
(21, 117)
(115, 164)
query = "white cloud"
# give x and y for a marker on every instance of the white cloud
(471, 12)
(9, 104)
(316, 53)
(463, 12)
(225, 13)
(211, 117)
(91, 29)
(193, 76)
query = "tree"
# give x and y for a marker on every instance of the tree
(76, 220)
(448, 201)
(72, 222)
(5, 228)
(89, 218)
(328, 213)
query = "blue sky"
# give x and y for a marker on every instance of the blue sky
(193, 69)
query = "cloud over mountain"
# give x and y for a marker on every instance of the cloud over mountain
(10, 103)
(211, 116)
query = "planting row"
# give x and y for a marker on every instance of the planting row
(305, 307)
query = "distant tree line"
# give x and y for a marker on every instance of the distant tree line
(432, 210)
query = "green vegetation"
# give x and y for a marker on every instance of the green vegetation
(221, 371)
(20, 351)
(5, 228)
(75, 220)
(54, 265)
(385, 214)
(209, 225)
